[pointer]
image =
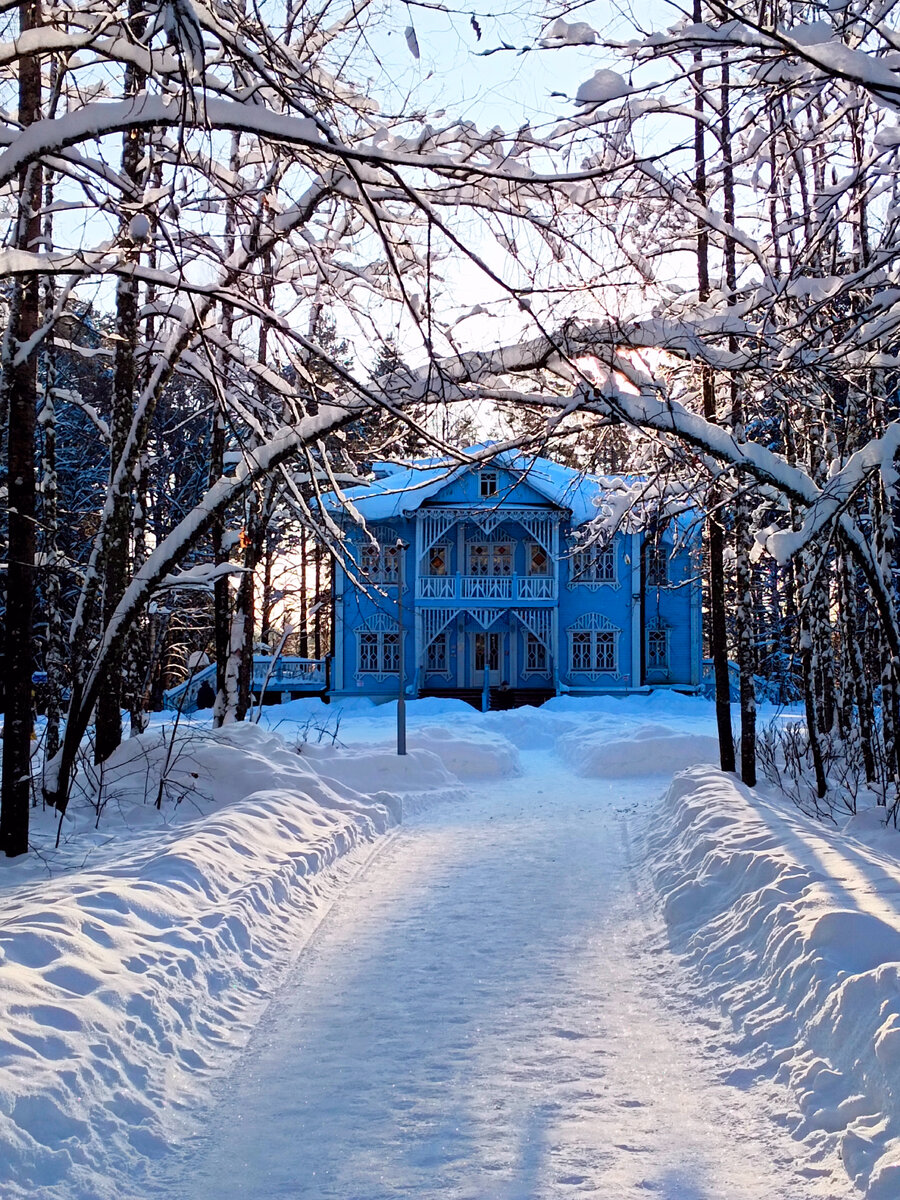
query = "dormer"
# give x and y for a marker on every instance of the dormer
(488, 482)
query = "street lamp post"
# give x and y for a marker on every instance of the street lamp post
(401, 656)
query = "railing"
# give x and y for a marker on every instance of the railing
(305, 672)
(436, 587)
(487, 587)
(288, 674)
(536, 587)
(504, 588)
(183, 697)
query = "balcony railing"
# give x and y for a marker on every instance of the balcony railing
(503, 588)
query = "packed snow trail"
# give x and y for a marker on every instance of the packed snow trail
(488, 1012)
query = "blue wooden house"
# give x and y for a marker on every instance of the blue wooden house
(500, 593)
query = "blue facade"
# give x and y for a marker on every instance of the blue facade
(496, 592)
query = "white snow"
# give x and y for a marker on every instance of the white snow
(404, 489)
(604, 85)
(649, 750)
(795, 929)
(139, 227)
(466, 972)
(569, 33)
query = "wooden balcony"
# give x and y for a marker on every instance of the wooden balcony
(496, 589)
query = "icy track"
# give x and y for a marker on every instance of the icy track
(489, 1012)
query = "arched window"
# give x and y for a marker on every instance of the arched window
(378, 643)
(594, 646)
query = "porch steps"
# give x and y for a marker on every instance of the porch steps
(510, 698)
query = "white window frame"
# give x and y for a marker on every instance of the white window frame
(445, 548)
(443, 666)
(488, 483)
(658, 631)
(491, 548)
(602, 651)
(381, 635)
(603, 642)
(656, 555)
(530, 548)
(585, 566)
(387, 652)
(535, 665)
(380, 563)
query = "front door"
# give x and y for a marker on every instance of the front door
(486, 652)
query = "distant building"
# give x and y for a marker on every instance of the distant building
(497, 594)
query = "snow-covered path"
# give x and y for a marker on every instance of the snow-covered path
(489, 1012)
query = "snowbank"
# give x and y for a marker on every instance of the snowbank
(648, 750)
(796, 930)
(469, 754)
(378, 769)
(126, 984)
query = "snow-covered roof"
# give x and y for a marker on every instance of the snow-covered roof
(401, 490)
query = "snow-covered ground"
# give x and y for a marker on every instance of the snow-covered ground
(518, 963)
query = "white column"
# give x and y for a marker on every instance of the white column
(337, 682)
(413, 600)
(554, 619)
(635, 610)
(696, 632)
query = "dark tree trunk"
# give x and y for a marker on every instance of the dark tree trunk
(319, 605)
(715, 533)
(743, 612)
(20, 403)
(108, 724)
(303, 641)
(55, 654)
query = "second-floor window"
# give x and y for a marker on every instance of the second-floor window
(491, 559)
(657, 559)
(594, 564)
(538, 560)
(380, 564)
(437, 561)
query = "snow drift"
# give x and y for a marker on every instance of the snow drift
(795, 930)
(126, 984)
(648, 750)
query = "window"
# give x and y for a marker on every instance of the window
(490, 558)
(657, 650)
(594, 564)
(535, 654)
(594, 650)
(438, 561)
(488, 483)
(657, 565)
(380, 564)
(438, 653)
(538, 560)
(379, 653)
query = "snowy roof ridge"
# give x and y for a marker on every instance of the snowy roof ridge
(403, 490)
